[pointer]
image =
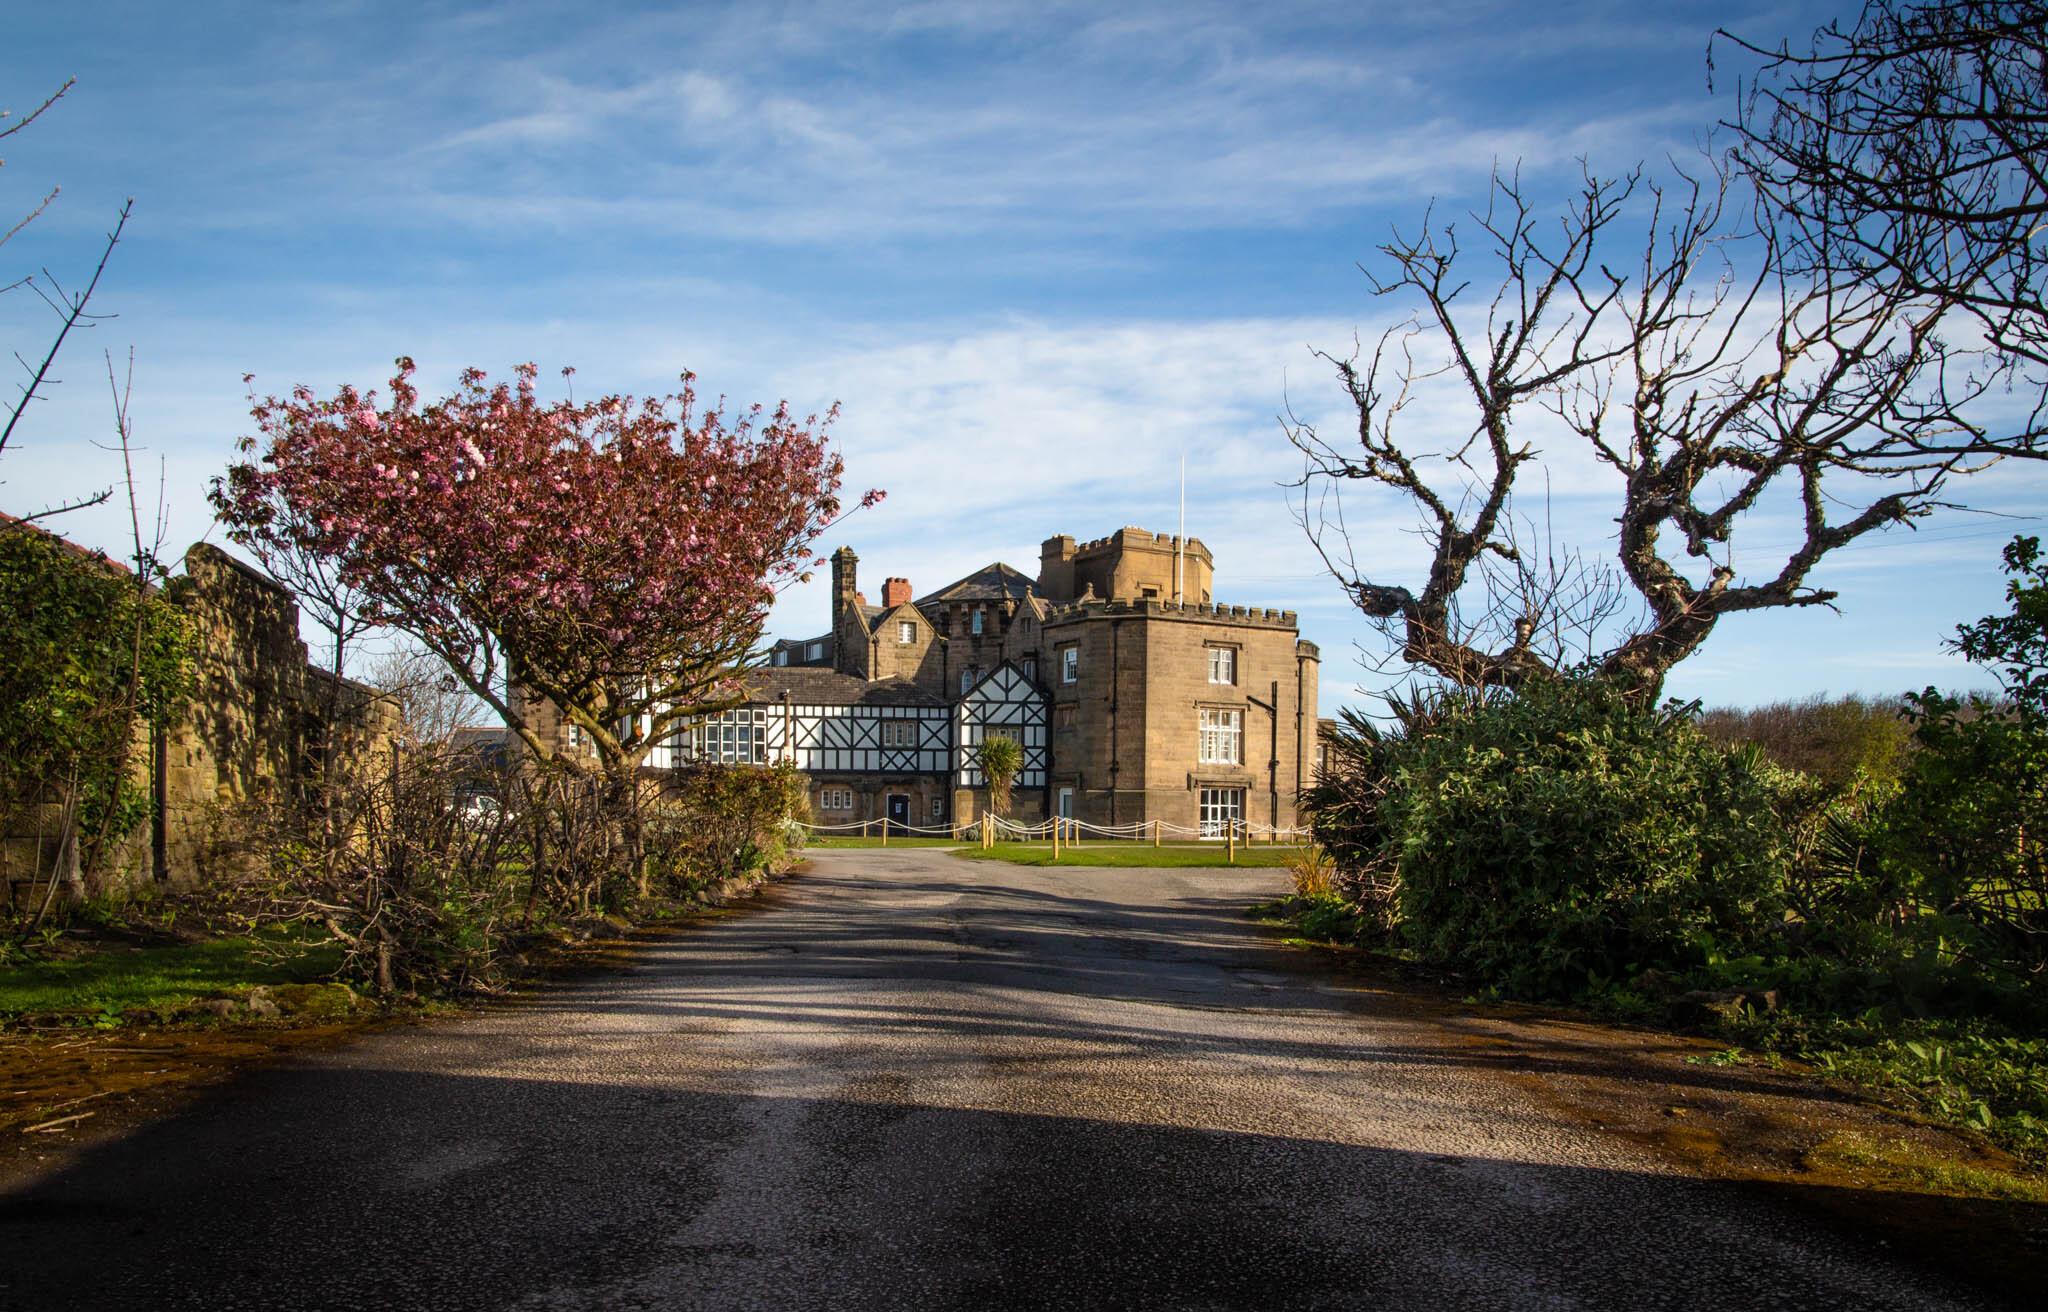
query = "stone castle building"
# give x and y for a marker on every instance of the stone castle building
(1134, 695)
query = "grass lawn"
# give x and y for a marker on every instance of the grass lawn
(114, 978)
(1130, 854)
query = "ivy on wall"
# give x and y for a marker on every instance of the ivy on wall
(87, 660)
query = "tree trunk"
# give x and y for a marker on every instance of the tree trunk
(622, 803)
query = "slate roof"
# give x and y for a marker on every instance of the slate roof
(796, 649)
(823, 687)
(994, 581)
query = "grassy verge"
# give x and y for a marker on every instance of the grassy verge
(1128, 854)
(100, 982)
(1967, 1074)
(1970, 1074)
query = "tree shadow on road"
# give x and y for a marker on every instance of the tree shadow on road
(338, 1185)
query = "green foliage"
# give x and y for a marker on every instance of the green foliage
(1841, 742)
(1970, 1072)
(726, 821)
(1963, 839)
(1564, 837)
(1000, 758)
(85, 657)
(158, 979)
(2017, 641)
(1345, 808)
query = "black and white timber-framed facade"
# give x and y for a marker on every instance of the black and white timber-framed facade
(1134, 696)
(871, 750)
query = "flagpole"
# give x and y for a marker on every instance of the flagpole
(1180, 546)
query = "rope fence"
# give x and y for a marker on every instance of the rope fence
(988, 828)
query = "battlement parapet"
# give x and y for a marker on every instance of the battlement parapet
(1153, 608)
(1132, 536)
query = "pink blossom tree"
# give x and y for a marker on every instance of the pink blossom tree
(617, 557)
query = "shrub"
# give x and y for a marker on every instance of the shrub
(1346, 805)
(418, 894)
(1963, 840)
(1843, 742)
(721, 822)
(1563, 839)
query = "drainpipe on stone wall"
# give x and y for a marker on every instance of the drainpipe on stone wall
(1115, 752)
(1272, 710)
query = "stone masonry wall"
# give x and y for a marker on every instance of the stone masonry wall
(257, 724)
(1126, 733)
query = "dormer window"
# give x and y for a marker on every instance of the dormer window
(906, 631)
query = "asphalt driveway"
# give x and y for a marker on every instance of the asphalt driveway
(915, 1081)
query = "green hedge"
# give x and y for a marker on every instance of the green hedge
(1563, 838)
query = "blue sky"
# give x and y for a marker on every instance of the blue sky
(1038, 252)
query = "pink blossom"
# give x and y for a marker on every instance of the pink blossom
(465, 547)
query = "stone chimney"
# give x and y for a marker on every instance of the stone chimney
(845, 591)
(895, 592)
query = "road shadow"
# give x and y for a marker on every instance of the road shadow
(994, 954)
(328, 1186)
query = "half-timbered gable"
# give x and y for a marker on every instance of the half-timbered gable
(1134, 697)
(1007, 703)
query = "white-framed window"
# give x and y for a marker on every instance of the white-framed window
(906, 631)
(1222, 736)
(899, 733)
(782, 655)
(575, 735)
(938, 808)
(1221, 808)
(816, 652)
(731, 738)
(1223, 665)
(1001, 731)
(974, 624)
(969, 677)
(1066, 804)
(1070, 664)
(1030, 667)
(835, 799)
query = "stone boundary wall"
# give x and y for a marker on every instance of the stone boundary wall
(259, 719)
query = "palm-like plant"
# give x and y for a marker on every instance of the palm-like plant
(1000, 758)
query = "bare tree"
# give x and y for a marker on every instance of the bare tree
(69, 308)
(1912, 147)
(1713, 377)
(431, 704)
